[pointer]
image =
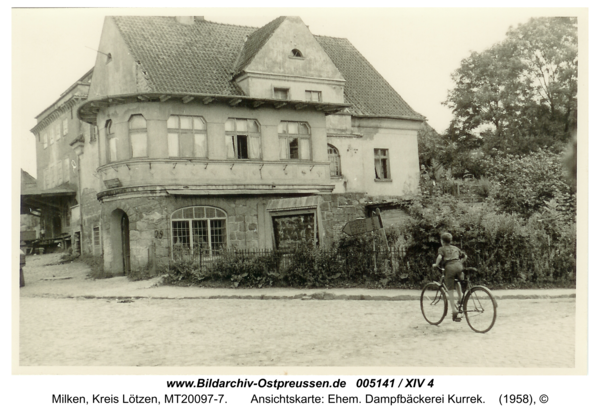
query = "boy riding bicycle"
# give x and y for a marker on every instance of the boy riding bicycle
(452, 258)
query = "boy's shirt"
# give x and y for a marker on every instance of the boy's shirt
(449, 253)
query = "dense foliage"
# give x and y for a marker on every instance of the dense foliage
(523, 87)
(526, 184)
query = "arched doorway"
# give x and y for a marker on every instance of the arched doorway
(119, 240)
(125, 243)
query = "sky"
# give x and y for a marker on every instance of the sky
(415, 50)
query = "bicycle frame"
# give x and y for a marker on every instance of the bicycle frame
(469, 287)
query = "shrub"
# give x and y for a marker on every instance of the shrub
(526, 183)
(507, 249)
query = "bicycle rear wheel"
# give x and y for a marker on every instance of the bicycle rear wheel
(480, 309)
(434, 304)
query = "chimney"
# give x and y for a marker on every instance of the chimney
(185, 19)
(199, 18)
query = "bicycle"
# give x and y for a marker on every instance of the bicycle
(477, 303)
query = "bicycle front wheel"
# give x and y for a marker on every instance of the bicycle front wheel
(480, 309)
(434, 304)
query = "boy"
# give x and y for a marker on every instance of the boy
(451, 256)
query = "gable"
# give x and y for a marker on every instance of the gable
(275, 54)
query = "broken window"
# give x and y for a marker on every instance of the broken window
(186, 137)
(335, 164)
(138, 136)
(242, 138)
(198, 231)
(382, 164)
(294, 140)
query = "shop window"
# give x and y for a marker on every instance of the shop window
(242, 138)
(187, 137)
(198, 231)
(313, 96)
(382, 164)
(138, 136)
(335, 164)
(294, 140)
(295, 229)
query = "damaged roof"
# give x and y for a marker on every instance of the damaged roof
(200, 58)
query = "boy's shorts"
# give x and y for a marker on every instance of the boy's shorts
(453, 271)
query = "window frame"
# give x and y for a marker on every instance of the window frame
(94, 245)
(110, 136)
(289, 137)
(281, 89)
(179, 131)
(233, 147)
(212, 250)
(319, 96)
(137, 131)
(382, 157)
(57, 131)
(338, 161)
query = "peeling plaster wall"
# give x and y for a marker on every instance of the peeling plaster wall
(217, 168)
(357, 155)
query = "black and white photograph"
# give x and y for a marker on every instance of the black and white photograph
(300, 191)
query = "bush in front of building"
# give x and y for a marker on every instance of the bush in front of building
(509, 250)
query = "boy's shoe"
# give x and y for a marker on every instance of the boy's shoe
(456, 317)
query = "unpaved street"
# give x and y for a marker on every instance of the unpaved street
(57, 331)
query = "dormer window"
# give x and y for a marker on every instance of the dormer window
(297, 54)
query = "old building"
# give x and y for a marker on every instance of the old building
(64, 180)
(213, 136)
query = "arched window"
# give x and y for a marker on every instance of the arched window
(294, 140)
(297, 53)
(111, 141)
(198, 231)
(187, 137)
(335, 164)
(242, 138)
(138, 136)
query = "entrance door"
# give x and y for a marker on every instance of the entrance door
(125, 243)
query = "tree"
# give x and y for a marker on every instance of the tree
(520, 94)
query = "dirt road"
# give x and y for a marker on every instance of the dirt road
(57, 331)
